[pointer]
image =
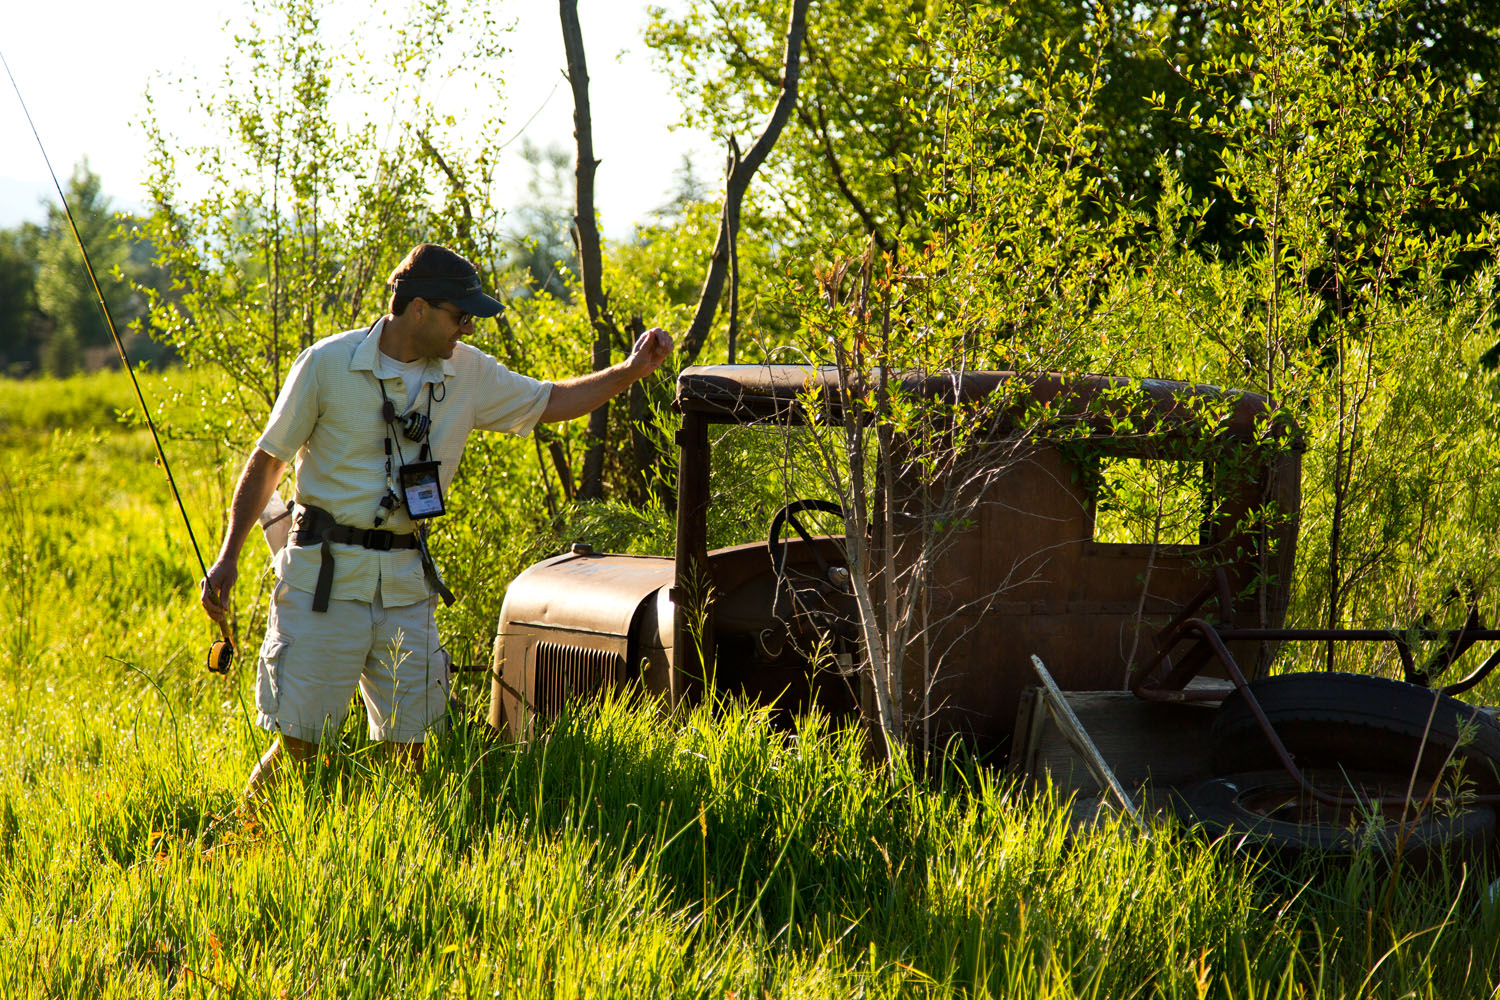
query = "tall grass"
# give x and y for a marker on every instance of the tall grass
(619, 855)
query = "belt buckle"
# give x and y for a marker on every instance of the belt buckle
(379, 540)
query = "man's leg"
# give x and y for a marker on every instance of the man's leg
(309, 665)
(270, 768)
(406, 679)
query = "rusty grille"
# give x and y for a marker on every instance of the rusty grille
(563, 671)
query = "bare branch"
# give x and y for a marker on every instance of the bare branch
(817, 125)
(465, 229)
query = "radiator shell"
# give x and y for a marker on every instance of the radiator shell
(574, 625)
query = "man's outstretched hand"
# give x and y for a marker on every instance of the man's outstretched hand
(573, 397)
(650, 350)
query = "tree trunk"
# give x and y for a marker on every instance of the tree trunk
(586, 242)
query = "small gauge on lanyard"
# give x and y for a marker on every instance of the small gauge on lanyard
(422, 489)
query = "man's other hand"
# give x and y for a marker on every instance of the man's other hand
(214, 589)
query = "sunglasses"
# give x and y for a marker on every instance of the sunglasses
(461, 318)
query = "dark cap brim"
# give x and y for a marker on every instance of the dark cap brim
(478, 304)
(464, 292)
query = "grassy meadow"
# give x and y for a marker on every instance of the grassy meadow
(715, 856)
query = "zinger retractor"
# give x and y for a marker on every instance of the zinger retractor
(415, 426)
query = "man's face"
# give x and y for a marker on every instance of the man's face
(443, 324)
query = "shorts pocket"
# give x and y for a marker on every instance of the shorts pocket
(440, 669)
(268, 672)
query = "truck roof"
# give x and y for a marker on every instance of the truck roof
(779, 394)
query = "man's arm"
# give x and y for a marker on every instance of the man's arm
(576, 396)
(261, 474)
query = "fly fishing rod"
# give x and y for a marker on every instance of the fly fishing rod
(221, 653)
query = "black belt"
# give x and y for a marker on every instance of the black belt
(315, 526)
(377, 539)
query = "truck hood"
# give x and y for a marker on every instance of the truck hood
(585, 592)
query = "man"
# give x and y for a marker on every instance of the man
(376, 421)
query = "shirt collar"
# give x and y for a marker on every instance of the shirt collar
(368, 352)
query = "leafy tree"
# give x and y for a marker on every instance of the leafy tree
(305, 212)
(833, 172)
(540, 246)
(1457, 48)
(19, 319)
(825, 177)
(64, 292)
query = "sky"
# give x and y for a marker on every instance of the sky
(83, 67)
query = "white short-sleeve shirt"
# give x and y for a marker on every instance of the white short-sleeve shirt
(328, 420)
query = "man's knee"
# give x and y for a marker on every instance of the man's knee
(298, 749)
(410, 754)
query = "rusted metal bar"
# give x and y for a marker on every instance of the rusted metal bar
(690, 583)
(1457, 644)
(1178, 631)
(1479, 674)
(1190, 666)
(1226, 596)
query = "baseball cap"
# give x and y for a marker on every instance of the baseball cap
(436, 273)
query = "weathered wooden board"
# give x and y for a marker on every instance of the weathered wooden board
(1141, 741)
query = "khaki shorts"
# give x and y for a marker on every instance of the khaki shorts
(311, 663)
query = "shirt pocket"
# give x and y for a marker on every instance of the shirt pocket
(268, 672)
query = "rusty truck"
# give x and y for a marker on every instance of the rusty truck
(1157, 637)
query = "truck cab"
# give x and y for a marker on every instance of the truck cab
(1041, 551)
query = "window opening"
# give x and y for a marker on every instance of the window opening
(1149, 502)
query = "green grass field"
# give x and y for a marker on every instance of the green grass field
(715, 857)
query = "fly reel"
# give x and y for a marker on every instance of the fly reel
(220, 656)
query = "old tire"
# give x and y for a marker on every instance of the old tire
(1267, 812)
(1357, 723)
